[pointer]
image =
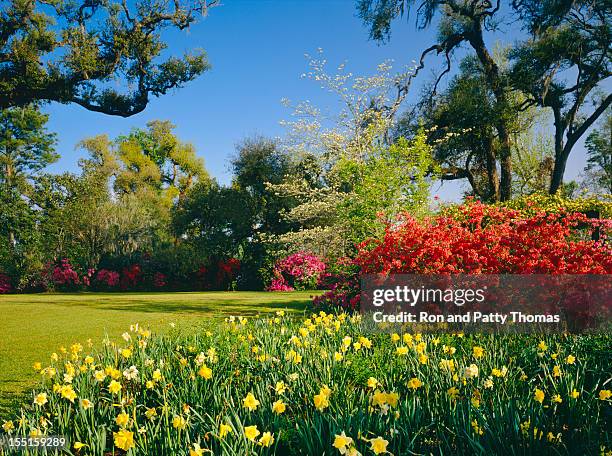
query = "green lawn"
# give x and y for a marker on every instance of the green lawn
(35, 325)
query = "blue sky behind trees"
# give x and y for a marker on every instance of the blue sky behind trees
(257, 51)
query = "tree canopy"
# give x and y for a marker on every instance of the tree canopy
(76, 52)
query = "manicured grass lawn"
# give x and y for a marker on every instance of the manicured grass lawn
(33, 326)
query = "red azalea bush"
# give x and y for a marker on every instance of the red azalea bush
(159, 280)
(478, 239)
(227, 270)
(131, 277)
(298, 271)
(5, 283)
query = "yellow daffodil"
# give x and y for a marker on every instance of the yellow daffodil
(224, 429)
(114, 386)
(574, 394)
(279, 407)
(196, 450)
(452, 392)
(40, 399)
(205, 372)
(604, 395)
(280, 388)
(342, 441)
(124, 439)
(178, 422)
(379, 445)
(122, 419)
(414, 383)
(8, 426)
(538, 395)
(251, 432)
(250, 402)
(392, 399)
(68, 393)
(321, 401)
(266, 439)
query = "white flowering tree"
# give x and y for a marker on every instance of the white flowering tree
(345, 146)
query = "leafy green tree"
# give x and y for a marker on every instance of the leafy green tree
(565, 66)
(178, 165)
(26, 147)
(260, 162)
(392, 181)
(599, 155)
(461, 22)
(76, 52)
(152, 164)
(217, 220)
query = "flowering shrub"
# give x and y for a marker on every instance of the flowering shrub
(5, 283)
(159, 280)
(226, 273)
(131, 277)
(479, 239)
(298, 271)
(107, 279)
(281, 385)
(63, 276)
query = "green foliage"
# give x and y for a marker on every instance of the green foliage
(599, 155)
(73, 52)
(531, 204)
(391, 181)
(217, 220)
(26, 146)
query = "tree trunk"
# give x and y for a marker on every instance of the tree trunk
(560, 162)
(492, 175)
(492, 73)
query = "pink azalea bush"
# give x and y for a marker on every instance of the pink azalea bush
(63, 276)
(298, 271)
(107, 279)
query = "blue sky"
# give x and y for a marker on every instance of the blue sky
(256, 49)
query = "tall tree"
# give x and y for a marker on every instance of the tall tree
(76, 52)
(26, 146)
(260, 162)
(599, 155)
(461, 22)
(565, 65)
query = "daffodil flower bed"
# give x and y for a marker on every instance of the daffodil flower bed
(318, 385)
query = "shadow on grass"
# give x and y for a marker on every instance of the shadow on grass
(239, 306)
(208, 303)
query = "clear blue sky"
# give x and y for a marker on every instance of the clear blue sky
(256, 49)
